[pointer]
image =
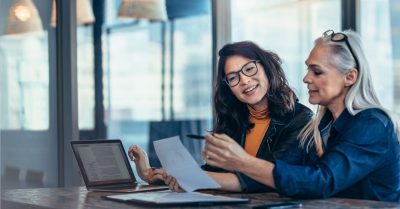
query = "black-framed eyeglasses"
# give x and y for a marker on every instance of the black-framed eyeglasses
(339, 37)
(249, 69)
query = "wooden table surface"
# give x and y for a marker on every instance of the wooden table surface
(79, 197)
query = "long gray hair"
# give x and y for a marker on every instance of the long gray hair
(360, 96)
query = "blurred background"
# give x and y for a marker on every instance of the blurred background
(141, 70)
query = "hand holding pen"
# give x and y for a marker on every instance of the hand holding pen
(222, 151)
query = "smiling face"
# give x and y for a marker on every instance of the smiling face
(250, 90)
(326, 85)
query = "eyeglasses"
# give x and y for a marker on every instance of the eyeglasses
(339, 37)
(249, 69)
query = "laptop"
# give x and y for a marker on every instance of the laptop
(104, 166)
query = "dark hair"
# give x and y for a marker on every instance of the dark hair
(232, 115)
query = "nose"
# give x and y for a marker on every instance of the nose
(243, 78)
(307, 78)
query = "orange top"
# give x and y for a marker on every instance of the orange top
(261, 120)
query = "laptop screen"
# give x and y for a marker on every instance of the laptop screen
(102, 162)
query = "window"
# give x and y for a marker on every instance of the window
(25, 82)
(28, 95)
(85, 68)
(192, 68)
(286, 27)
(380, 31)
(157, 74)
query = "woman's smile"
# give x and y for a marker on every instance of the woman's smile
(251, 90)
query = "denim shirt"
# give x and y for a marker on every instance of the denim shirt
(361, 160)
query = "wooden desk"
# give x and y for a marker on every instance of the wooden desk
(79, 197)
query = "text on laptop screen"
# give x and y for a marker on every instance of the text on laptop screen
(103, 162)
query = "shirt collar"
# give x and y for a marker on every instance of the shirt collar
(339, 124)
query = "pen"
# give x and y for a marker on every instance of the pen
(193, 136)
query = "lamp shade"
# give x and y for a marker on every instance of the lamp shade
(84, 13)
(23, 18)
(186, 8)
(143, 9)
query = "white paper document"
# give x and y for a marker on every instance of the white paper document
(177, 162)
(169, 197)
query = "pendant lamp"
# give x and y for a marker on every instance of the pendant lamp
(143, 9)
(84, 13)
(23, 18)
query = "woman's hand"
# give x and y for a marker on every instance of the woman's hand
(171, 182)
(146, 173)
(139, 156)
(222, 151)
(155, 175)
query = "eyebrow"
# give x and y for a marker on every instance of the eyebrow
(236, 71)
(313, 66)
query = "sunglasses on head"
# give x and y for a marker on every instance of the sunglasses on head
(340, 37)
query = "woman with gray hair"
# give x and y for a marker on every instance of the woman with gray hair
(351, 147)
